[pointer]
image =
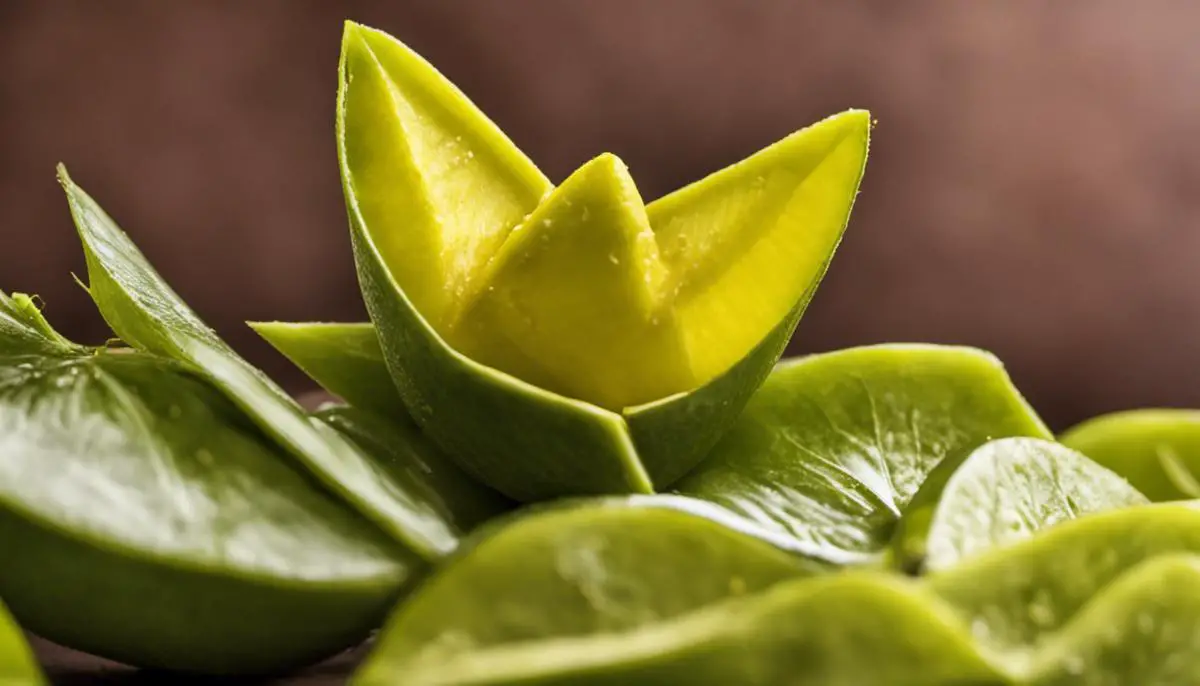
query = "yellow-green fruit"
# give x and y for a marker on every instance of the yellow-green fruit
(573, 340)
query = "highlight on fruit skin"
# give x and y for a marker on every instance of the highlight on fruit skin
(573, 339)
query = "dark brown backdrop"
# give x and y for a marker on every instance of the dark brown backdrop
(1033, 187)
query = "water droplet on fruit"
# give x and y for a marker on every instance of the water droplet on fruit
(613, 258)
(1073, 664)
(979, 628)
(1041, 610)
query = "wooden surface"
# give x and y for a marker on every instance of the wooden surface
(66, 667)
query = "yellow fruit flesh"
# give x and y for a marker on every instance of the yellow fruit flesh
(618, 304)
(442, 184)
(590, 293)
(576, 288)
(743, 245)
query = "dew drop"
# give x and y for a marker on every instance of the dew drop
(1041, 610)
(1073, 664)
(613, 258)
(979, 628)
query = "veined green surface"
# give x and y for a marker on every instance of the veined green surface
(1158, 451)
(143, 310)
(1011, 488)
(17, 664)
(833, 449)
(133, 495)
(525, 440)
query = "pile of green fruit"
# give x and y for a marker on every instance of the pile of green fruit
(568, 454)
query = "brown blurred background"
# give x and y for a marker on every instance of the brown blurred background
(1034, 186)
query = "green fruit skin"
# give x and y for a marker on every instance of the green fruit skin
(106, 602)
(344, 359)
(674, 434)
(666, 434)
(1136, 444)
(833, 448)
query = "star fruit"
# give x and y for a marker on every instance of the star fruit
(569, 339)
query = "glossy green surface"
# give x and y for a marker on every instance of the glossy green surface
(434, 485)
(599, 568)
(525, 441)
(844, 630)
(136, 495)
(143, 310)
(1011, 488)
(833, 449)
(1020, 597)
(1141, 630)
(344, 359)
(1158, 451)
(1110, 599)
(17, 664)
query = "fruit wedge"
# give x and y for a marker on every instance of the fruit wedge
(576, 342)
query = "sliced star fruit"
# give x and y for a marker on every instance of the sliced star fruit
(17, 664)
(1157, 450)
(833, 450)
(570, 340)
(150, 522)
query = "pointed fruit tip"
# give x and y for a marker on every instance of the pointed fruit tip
(605, 174)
